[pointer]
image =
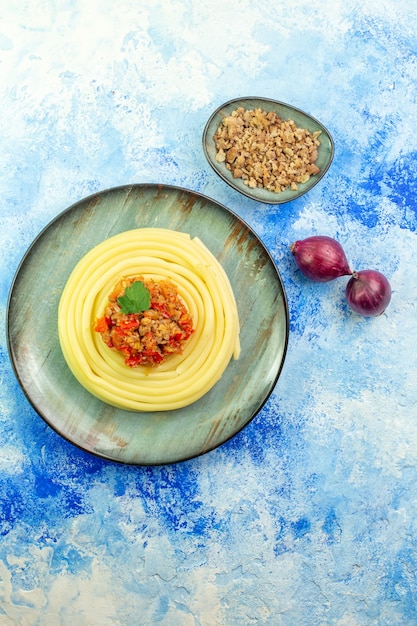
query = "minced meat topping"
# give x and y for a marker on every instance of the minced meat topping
(149, 337)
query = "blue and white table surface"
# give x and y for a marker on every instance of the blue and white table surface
(307, 517)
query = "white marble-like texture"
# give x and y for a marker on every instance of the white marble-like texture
(308, 516)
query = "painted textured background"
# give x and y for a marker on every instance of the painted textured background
(308, 516)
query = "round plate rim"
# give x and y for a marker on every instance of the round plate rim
(24, 260)
(248, 192)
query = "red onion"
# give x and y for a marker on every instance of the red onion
(368, 292)
(320, 258)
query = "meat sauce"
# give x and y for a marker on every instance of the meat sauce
(147, 338)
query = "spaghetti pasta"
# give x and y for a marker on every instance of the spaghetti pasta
(158, 254)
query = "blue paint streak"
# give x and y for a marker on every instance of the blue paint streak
(12, 506)
(301, 527)
(162, 609)
(331, 526)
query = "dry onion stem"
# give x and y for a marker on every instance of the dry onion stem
(265, 151)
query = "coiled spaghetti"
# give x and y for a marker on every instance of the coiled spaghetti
(203, 285)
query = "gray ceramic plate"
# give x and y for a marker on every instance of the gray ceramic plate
(284, 111)
(146, 438)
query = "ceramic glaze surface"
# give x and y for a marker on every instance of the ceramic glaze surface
(146, 438)
(307, 516)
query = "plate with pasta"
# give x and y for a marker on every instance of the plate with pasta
(147, 324)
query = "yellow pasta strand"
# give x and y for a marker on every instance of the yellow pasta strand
(206, 291)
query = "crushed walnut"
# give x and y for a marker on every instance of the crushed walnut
(266, 151)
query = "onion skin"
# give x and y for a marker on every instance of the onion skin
(320, 258)
(368, 292)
